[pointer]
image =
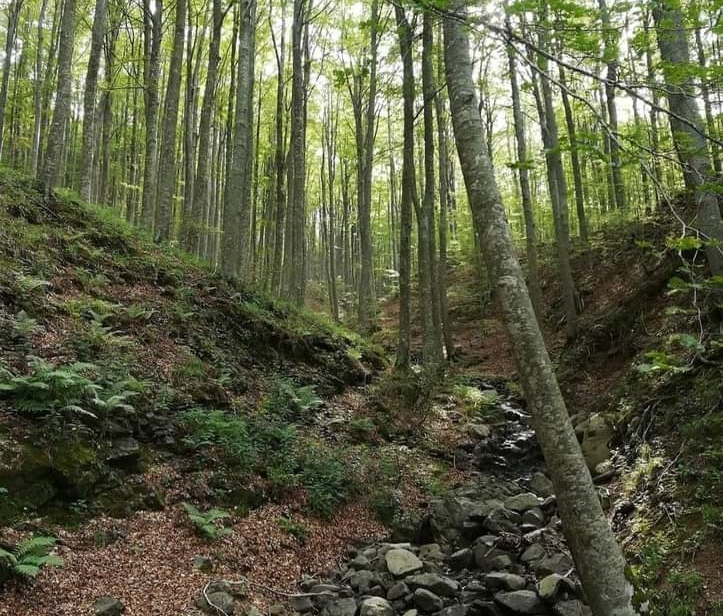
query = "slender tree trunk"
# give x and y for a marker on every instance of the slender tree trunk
(89, 98)
(533, 274)
(686, 126)
(167, 174)
(598, 558)
(38, 90)
(409, 190)
(52, 168)
(10, 36)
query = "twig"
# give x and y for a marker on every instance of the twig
(211, 603)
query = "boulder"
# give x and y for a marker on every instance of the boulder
(522, 502)
(340, 607)
(301, 603)
(557, 563)
(541, 485)
(501, 580)
(484, 608)
(479, 431)
(551, 585)
(532, 553)
(398, 591)
(278, 609)
(212, 602)
(453, 610)
(361, 581)
(571, 608)
(461, 559)
(375, 606)
(524, 602)
(360, 562)
(431, 552)
(438, 584)
(534, 517)
(594, 435)
(401, 562)
(108, 606)
(427, 601)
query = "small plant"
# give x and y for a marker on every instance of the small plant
(214, 428)
(209, 524)
(49, 388)
(287, 401)
(29, 557)
(293, 528)
(325, 476)
(24, 325)
(362, 428)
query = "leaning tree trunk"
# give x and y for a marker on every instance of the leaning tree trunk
(687, 127)
(87, 146)
(61, 113)
(599, 560)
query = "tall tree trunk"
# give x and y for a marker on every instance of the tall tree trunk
(89, 98)
(38, 91)
(153, 33)
(533, 274)
(427, 245)
(598, 558)
(687, 127)
(52, 168)
(409, 190)
(202, 181)
(167, 164)
(237, 198)
(10, 36)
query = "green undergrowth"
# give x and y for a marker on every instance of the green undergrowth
(106, 336)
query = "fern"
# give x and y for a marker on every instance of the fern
(29, 557)
(208, 524)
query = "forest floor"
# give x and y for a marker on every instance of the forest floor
(98, 293)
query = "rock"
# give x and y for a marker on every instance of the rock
(532, 553)
(557, 563)
(375, 606)
(541, 485)
(551, 585)
(411, 613)
(108, 606)
(432, 552)
(571, 608)
(484, 608)
(534, 517)
(203, 563)
(594, 435)
(340, 607)
(211, 602)
(500, 580)
(278, 609)
(360, 562)
(461, 559)
(301, 603)
(399, 590)
(328, 588)
(401, 562)
(522, 502)
(521, 602)
(361, 581)
(453, 610)
(438, 584)
(427, 601)
(125, 453)
(502, 520)
(491, 559)
(251, 610)
(479, 431)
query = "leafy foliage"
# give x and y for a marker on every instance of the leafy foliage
(287, 401)
(208, 524)
(29, 557)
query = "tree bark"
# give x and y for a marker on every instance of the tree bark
(598, 558)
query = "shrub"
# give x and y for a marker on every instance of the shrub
(290, 402)
(326, 478)
(208, 525)
(29, 557)
(214, 428)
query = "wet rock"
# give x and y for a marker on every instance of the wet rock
(431, 552)
(541, 485)
(438, 584)
(571, 608)
(401, 562)
(522, 502)
(534, 517)
(532, 553)
(557, 563)
(427, 601)
(108, 606)
(552, 585)
(212, 602)
(461, 559)
(301, 603)
(340, 607)
(375, 606)
(500, 580)
(521, 602)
